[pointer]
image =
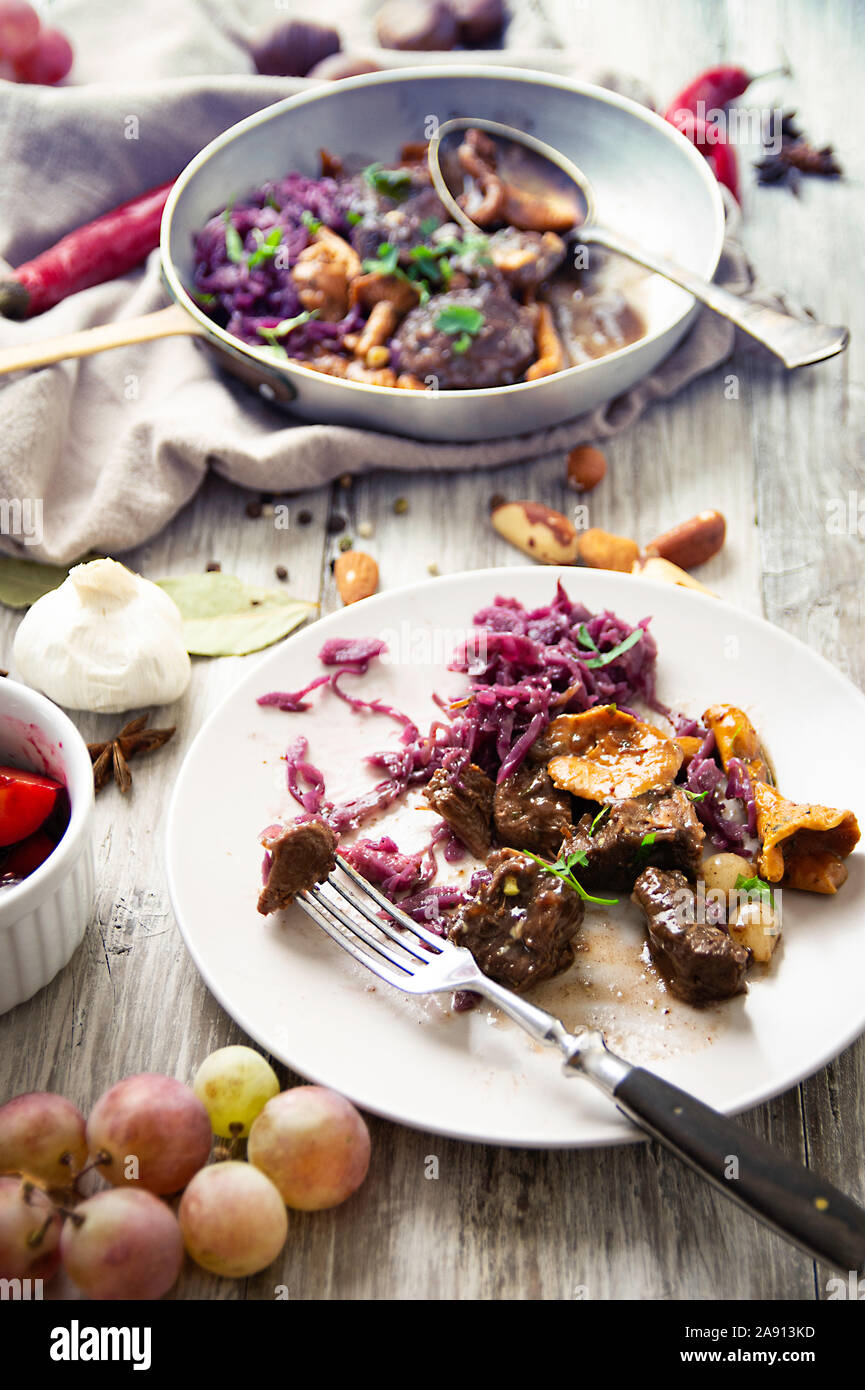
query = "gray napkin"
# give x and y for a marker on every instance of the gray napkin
(115, 444)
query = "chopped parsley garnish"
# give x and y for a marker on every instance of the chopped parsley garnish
(471, 244)
(696, 796)
(281, 330)
(353, 218)
(602, 816)
(429, 225)
(604, 658)
(585, 639)
(265, 246)
(645, 847)
(462, 322)
(391, 183)
(460, 318)
(203, 297)
(386, 261)
(233, 240)
(563, 869)
(755, 885)
(311, 223)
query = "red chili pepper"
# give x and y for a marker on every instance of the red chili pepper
(711, 142)
(111, 245)
(715, 87)
(725, 166)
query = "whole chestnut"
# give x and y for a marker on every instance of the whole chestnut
(416, 25)
(478, 21)
(293, 48)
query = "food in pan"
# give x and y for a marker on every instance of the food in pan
(564, 776)
(360, 274)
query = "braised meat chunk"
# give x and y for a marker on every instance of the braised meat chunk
(521, 925)
(466, 803)
(530, 814)
(659, 829)
(701, 963)
(301, 855)
(468, 338)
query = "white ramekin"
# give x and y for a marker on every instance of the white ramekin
(43, 919)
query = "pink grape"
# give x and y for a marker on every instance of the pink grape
(29, 1232)
(233, 1220)
(19, 28)
(155, 1121)
(48, 62)
(122, 1244)
(42, 1134)
(313, 1145)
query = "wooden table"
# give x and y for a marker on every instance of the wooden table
(772, 452)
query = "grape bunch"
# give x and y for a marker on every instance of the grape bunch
(150, 1137)
(28, 51)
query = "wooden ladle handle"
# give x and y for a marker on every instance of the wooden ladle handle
(163, 323)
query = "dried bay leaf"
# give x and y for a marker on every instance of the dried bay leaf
(224, 616)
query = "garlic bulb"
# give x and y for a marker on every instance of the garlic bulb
(106, 640)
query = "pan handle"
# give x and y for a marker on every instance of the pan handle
(163, 323)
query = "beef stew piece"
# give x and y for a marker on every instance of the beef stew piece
(496, 353)
(301, 856)
(530, 814)
(466, 804)
(659, 829)
(521, 925)
(701, 963)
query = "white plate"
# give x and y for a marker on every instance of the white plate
(472, 1075)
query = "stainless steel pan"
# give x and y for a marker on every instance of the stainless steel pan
(649, 177)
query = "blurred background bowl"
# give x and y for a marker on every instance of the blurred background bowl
(649, 181)
(43, 918)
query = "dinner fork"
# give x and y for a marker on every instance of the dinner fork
(795, 1201)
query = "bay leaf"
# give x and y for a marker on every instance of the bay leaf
(22, 582)
(224, 616)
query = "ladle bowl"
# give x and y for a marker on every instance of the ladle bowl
(543, 182)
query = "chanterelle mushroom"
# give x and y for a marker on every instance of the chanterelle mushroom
(323, 273)
(606, 755)
(803, 846)
(502, 201)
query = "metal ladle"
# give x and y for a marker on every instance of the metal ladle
(541, 171)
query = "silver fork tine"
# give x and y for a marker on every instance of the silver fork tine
(345, 940)
(380, 947)
(374, 916)
(393, 912)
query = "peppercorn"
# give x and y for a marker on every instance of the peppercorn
(304, 517)
(335, 523)
(281, 572)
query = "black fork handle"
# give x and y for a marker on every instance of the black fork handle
(798, 1203)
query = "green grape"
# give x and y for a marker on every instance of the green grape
(234, 1084)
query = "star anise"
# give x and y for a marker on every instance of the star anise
(795, 156)
(112, 757)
